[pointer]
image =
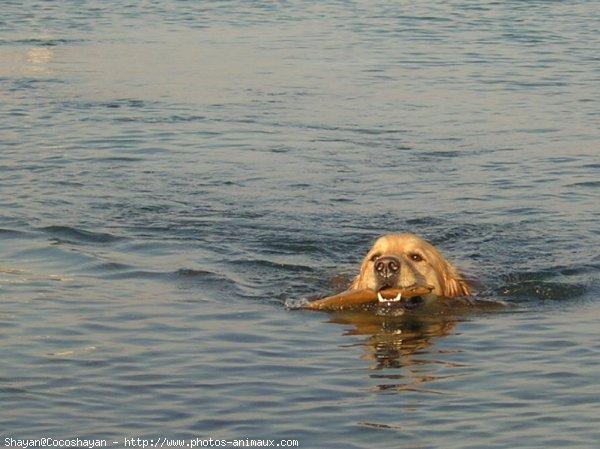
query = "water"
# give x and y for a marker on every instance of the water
(173, 172)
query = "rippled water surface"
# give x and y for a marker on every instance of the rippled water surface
(173, 173)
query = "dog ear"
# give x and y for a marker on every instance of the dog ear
(453, 284)
(360, 279)
(456, 287)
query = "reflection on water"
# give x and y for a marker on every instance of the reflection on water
(27, 60)
(397, 342)
(39, 57)
(401, 343)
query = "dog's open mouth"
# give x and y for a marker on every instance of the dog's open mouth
(387, 300)
(408, 296)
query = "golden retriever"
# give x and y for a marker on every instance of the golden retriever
(406, 260)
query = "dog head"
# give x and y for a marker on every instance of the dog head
(406, 260)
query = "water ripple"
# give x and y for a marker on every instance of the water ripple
(67, 234)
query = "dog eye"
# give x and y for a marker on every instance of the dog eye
(415, 257)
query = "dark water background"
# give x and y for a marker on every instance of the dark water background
(171, 173)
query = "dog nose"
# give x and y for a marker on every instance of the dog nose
(387, 266)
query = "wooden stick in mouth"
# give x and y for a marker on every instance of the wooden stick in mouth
(352, 298)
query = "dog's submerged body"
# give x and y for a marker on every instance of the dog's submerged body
(406, 260)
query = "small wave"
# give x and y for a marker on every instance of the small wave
(122, 103)
(45, 41)
(10, 233)
(288, 267)
(590, 184)
(118, 159)
(295, 303)
(135, 274)
(189, 273)
(112, 267)
(543, 290)
(74, 235)
(217, 283)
